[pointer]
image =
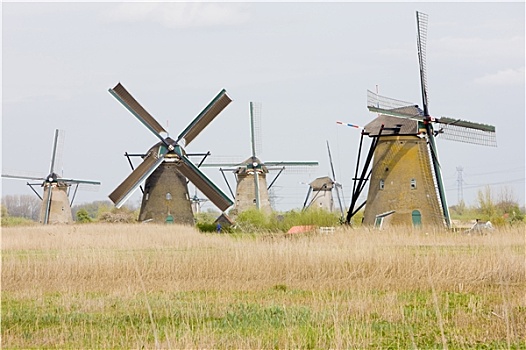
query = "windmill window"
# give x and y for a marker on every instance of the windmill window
(413, 184)
(382, 184)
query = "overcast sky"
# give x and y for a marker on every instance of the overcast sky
(308, 64)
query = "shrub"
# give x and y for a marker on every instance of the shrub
(257, 221)
(83, 216)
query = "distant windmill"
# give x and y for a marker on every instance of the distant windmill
(196, 202)
(251, 174)
(320, 191)
(405, 180)
(56, 206)
(166, 167)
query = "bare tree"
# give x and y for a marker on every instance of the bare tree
(25, 205)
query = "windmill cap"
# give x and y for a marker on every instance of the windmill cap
(392, 126)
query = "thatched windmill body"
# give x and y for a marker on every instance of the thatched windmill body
(166, 168)
(56, 204)
(402, 166)
(252, 191)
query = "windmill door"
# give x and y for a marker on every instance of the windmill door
(417, 218)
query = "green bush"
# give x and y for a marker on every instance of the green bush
(206, 227)
(83, 216)
(257, 221)
(8, 221)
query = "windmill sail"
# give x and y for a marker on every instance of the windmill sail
(468, 132)
(56, 154)
(421, 20)
(205, 117)
(390, 106)
(255, 128)
(124, 191)
(127, 100)
(337, 186)
(211, 191)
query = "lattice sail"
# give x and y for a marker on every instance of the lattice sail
(422, 20)
(390, 106)
(255, 128)
(378, 101)
(468, 132)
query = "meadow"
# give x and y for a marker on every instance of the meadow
(171, 287)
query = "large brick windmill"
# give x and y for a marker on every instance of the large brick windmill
(166, 167)
(402, 166)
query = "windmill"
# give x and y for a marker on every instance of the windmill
(56, 206)
(320, 191)
(405, 180)
(166, 167)
(196, 202)
(251, 174)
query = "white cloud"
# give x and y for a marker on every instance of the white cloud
(180, 15)
(506, 77)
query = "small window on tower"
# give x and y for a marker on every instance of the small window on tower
(413, 184)
(382, 184)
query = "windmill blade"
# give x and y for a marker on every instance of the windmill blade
(48, 204)
(207, 187)
(291, 164)
(58, 147)
(469, 132)
(75, 181)
(438, 174)
(205, 117)
(255, 128)
(124, 191)
(291, 167)
(390, 106)
(127, 100)
(422, 20)
(23, 177)
(220, 165)
(334, 178)
(330, 161)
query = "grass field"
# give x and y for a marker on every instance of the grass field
(139, 286)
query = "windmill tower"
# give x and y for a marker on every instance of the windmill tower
(405, 180)
(320, 191)
(166, 167)
(56, 205)
(251, 174)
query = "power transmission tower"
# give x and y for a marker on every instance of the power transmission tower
(460, 183)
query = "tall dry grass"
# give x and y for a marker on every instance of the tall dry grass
(346, 281)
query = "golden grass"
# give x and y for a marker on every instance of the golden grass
(353, 288)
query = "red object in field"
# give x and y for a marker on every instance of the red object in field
(302, 229)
